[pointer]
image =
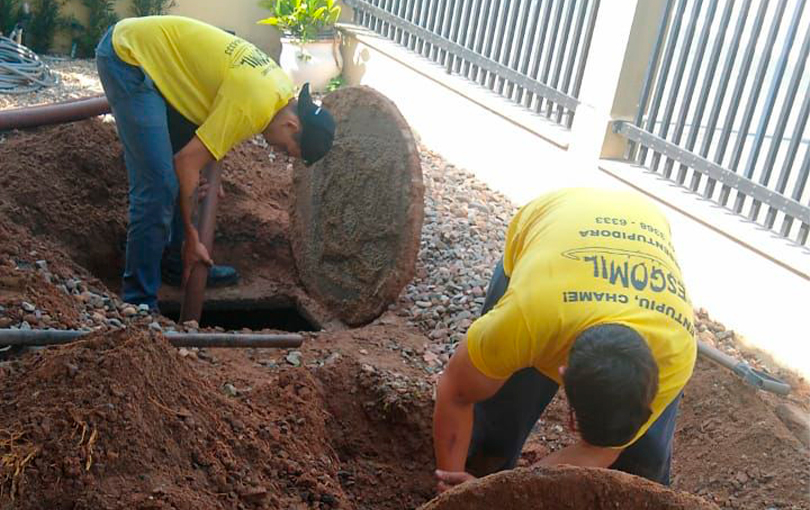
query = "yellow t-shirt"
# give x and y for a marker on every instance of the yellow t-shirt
(582, 257)
(221, 83)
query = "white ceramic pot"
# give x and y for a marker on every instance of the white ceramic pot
(315, 62)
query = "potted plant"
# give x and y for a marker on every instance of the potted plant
(309, 47)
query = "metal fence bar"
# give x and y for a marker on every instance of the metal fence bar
(450, 18)
(770, 103)
(499, 36)
(798, 189)
(437, 27)
(377, 21)
(463, 37)
(522, 46)
(675, 85)
(697, 64)
(722, 88)
(534, 15)
(413, 17)
(512, 51)
(491, 29)
(562, 45)
(753, 98)
(430, 24)
(781, 125)
(572, 54)
(550, 54)
(736, 96)
(790, 157)
(479, 42)
(503, 41)
(424, 11)
(586, 48)
(452, 33)
(540, 46)
(663, 74)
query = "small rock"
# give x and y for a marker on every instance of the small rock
(129, 311)
(6, 322)
(230, 390)
(28, 307)
(294, 358)
(42, 264)
(332, 358)
(155, 325)
(191, 325)
(183, 352)
(363, 352)
(72, 369)
(98, 317)
(25, 325)
(115, 323)
(423, 304)
(143, 307)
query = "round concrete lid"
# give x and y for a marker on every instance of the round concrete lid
(357, 214)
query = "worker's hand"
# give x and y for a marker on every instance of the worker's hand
(203, 188)
(449, 479)
(194, 252)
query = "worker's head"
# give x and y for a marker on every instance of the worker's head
(610, 381)
(302, 129)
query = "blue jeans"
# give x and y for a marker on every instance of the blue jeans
(140, 113)
(502, 423)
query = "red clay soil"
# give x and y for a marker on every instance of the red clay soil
(732, 445)
(68, 183)
(565, 488)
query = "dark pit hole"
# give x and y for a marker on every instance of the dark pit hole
(282, 315)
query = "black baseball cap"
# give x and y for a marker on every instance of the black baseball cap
(317, 128)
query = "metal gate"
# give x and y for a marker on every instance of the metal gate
(724, 108)
(532, 52)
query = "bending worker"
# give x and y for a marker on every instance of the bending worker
(184, 93)
(588, 295)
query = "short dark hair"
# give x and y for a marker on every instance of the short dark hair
(610, 381)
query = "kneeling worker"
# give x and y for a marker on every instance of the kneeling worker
(588, 295)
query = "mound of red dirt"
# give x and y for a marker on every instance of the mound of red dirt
(123, 421)
(564, 488)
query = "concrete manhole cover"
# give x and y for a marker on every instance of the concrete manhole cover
(357, 216)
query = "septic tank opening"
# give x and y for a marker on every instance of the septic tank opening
(282, 315)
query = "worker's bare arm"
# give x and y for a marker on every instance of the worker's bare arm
(188, 163)
(583, 454)
(460, 386)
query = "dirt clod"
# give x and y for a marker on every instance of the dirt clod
(562, 488)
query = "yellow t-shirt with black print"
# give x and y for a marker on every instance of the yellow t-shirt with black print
(220, 82)
(581, 257)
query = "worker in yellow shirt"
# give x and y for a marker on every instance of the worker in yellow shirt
(183, 94)
(588, 295)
